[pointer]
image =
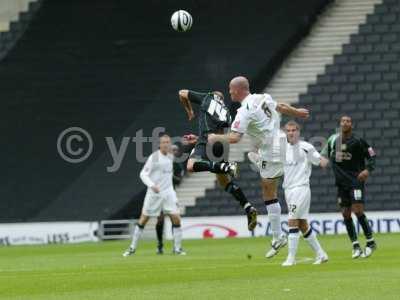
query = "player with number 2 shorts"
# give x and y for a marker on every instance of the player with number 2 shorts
(300, 156)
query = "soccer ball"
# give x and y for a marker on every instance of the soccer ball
(181, 20)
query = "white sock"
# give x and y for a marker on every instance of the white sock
(293, 242)
(177, 233)
(137, 233)
(312, 240)
(274, 216)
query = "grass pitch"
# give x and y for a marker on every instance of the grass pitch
(213, 269)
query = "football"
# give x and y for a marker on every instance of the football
(181, 21)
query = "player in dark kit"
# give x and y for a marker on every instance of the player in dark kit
(214, 117)
(352, 160)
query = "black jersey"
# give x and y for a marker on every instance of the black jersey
(214, 115)
(348, 158)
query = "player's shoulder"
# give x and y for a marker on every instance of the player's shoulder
(153, 155)
(332, 138)
(254, 101)
(356, 137)
(256, 98)
(306, 146)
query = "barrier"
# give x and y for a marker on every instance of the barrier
(47, 233)
(236, 226)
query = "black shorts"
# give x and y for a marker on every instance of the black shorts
(209, 152)
(346, 196)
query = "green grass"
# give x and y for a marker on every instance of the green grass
(213, 269)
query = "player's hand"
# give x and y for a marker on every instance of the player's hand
(191, 115)
(363, 176)
(155, 189)
(303, 113)
(324, 162)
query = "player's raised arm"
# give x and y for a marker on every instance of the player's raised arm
(231, 138)
(289, 110)
(238, 128)
(187, 97)
(184, 98)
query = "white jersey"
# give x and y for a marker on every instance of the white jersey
(259, 118)
(158, 170)
(298, 164)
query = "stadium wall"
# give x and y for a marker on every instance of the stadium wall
(363, 82)
(111, 76)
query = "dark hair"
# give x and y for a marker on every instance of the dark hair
(219, 94)
(346, 116)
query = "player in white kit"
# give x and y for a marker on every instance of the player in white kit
(259, 116)
(300, 156)
(157, 176)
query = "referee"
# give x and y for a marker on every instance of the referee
(352, 161)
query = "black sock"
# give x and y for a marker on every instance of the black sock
(365, 226)
(233, 189)
(160, 231)
(202, 166)
(214, 167)
(351, 230)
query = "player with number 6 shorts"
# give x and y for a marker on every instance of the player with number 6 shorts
(300, 156)
(259, 117)
(214, 117)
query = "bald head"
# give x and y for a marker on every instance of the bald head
(239, 88)
(240, 82)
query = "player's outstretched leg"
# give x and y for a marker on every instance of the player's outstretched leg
(230, 168)
(160, 232)
(232, 188)
(311, 238)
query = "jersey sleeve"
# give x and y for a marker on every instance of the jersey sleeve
(271, 103)
(313, 156)
(241, 121)
(369, 155)
(325, 152)
(145, 173)
(196, 97)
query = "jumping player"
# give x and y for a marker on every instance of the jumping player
(214, 118)
(259, 116)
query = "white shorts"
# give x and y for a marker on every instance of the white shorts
(270, 170)
(298, 201)
(165, 201)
